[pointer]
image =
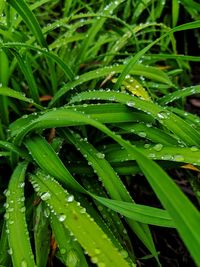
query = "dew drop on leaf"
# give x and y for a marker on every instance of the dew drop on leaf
(130, 104)
(6, 216)
(83, 210)
(142, 134)
(162, 115)
(21, 185)
(23, 209)
(70, 198)
(178, 158)
(94, 260)
(62, 217)
(151, 155)
(194, 148)
(72, 258)
(100, 155)
(167, 157)
(10, 252)
(124, 253)
(46, 196)
(147, 145)
(158, 147)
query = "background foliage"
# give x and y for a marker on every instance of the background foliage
(99, 144)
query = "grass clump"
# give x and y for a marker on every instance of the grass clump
(96, 140)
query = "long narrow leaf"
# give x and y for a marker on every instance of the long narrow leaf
(78, 222)
(19, 241)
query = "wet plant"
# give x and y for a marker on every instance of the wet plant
(92, 98)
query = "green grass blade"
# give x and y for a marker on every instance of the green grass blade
(172, 122)
(5, 258)
(109, 221)
(78, 222)
(172, 56)
(11, 147)
(4, 76)
(41, 236)
(26, 69)
(43, 51)
(140, 213)
(175, 202)
(40, 150)
(19, 242)
(179, 94)
(96, 27)
(135, 58)
(175, 12)
(70, 250)
(149, 132)
(35, 145)
(109, 178)
(31, 7)
(23, 9)
(138, 70)
(103, 223)
(111, 181)
(158, 152)
(115, 113)
(4, 68)
(5, 91)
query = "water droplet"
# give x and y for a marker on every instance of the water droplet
(22, 199)
(21, 185)
(167, 157)
(158, 147)
(45, 196)
(46, 212)
(94, 260)
(23, 209)
(70, 198)
(7, 193)
(151, 155)
(163, 115)
(10, 252)
(102, 264)
(83, 210)
(72, 258)
(62, 217)
(142, 134)
(147, 145)
(100, 155)
(6, 205)
(130, 103)
(6, 216)
(124, 253)
(194, 148)
(178, 158)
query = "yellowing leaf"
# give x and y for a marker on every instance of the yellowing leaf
(133, 86)
(190, 167)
